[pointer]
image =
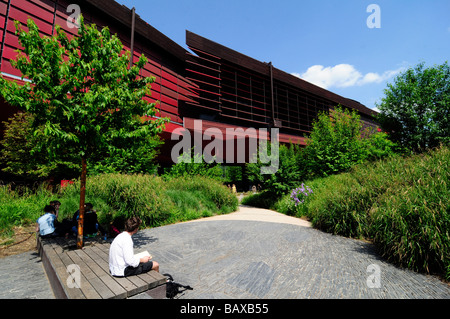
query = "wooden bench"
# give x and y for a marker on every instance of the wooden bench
(60, 258)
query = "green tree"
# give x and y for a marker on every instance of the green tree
(82, 93)
(337, 143)
(19, 142)
(416, 107)
(124, 155)
(129, 155)
(285, 178)
(334, 145)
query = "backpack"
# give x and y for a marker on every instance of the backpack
(173, 288)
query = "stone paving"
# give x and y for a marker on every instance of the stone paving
(277, 260)
(240, 256)
(22, 276)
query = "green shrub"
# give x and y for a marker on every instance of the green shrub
(116, 196)
(264, 199)
(21, 155)
(190, 164)
(285, 178)
(378, 146)
(211, 190)
(138, 195)
(286, 205)
(335, 143)
(401, 204)
(338, 207)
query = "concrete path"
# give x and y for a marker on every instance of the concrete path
(23, 276)
(252, 253)
(256, 253)
(257, 214)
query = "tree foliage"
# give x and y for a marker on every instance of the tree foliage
(335, 143)
(287, 175)
(20, 155)
(82, 93)
(416, 107)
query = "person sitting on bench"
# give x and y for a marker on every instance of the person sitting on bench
(122, 261)
(46, 224)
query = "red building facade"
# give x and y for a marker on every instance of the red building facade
(166, 59)
(222, 87)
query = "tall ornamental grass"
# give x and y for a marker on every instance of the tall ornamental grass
(155, 200)
(125, 195)
(410, 219)
(400, 204)
(21, 206)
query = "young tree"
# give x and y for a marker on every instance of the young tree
(287, 175)
(335, 143)
(82, 93)
(416, 107)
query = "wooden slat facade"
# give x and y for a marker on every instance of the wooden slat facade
(210, 82)
(240, 90)
(165, 58)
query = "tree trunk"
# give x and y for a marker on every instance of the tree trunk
(82, 200)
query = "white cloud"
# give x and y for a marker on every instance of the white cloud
(342, 76)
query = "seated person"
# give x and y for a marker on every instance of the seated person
(90, 224)
(87, 207)
(90, 221)
(122, 261)
(56, 204)
(116, 227)
(46, 224)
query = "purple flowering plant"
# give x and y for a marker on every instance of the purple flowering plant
(299, 194)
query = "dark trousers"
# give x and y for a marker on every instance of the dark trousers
(141, 269)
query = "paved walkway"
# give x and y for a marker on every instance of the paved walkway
(253, 253)
(23, 276)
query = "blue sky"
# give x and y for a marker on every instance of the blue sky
(326, 42)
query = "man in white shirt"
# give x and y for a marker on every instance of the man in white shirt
(122, 261)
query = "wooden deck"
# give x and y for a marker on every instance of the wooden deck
(61, 262)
